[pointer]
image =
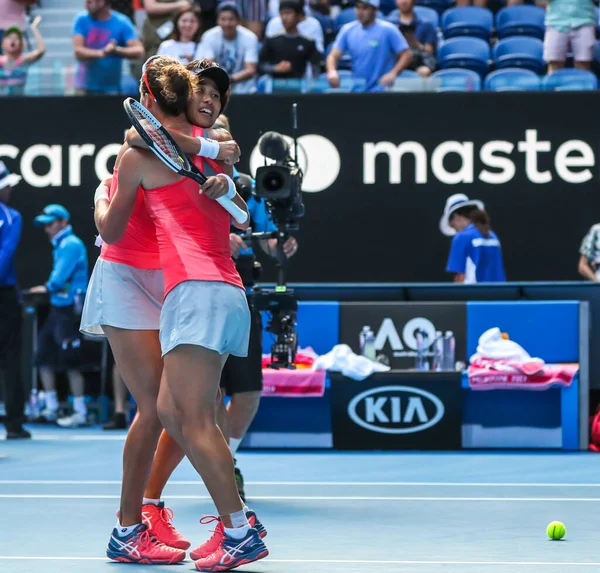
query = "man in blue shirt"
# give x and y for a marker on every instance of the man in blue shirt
(59, 342)
(10, 311)
(378, 50)
(101, 38)
(241, 378)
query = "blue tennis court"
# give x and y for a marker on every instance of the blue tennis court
(340, 512)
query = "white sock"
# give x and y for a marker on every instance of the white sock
(245, 509)
(237, 532)
(148, 501)
(79, 405)
(234, 444)
(238, 519)
(51, 401)
(123, 531)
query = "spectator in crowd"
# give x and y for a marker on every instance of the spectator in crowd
(570, 27)
(125, 7)
(59, 342)
(421, 37)
(321, 10)
(101, 39)
(476, 253)
(378, 50)
(185, 38)
(484, 3)
(589, 260)
(232, 46)
(13, 64)
(287, 55)
(308, 27)
(10, 312)
(158, 25)
(253, 14)
(12, 14)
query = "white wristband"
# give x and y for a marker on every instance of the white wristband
(101, 193)
(232, 191)
(208, 148)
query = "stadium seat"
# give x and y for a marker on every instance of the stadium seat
(440, 6)
(511, 79)
(321, 84)
(571, 79)
(422, 12)
(344, 17)
(467, 21)
(520, 52)
(386, 6)
(470, 53)
(457, 80)
(524, 20)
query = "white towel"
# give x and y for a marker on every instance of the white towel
(342, 359)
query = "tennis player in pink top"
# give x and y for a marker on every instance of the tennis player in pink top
(205, 316)
(124, 302)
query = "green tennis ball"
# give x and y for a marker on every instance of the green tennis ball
(556, 530)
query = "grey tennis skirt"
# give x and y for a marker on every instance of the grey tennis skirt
(211, 314)
(122, 296)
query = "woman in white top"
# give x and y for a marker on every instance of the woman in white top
(183, 43)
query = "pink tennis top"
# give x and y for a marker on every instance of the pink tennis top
(138, 247)
(192, 231)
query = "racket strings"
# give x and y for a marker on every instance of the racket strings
(161, 140)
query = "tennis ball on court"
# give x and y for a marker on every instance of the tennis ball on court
(556, 530)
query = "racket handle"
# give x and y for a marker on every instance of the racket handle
(236, 212)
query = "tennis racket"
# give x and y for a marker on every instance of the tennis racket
(160, 142)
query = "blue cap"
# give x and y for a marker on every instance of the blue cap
(50, 214)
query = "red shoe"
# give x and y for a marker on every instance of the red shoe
(210, 546)
(142, 546)
(232, 553)
(158, 519)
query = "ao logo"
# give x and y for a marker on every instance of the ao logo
(396, 410)
(388, 333)
(318, 158)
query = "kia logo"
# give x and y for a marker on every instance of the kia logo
(396, 410)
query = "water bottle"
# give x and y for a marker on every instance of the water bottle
(438, 352)
(420, 336)
(367, 343)
(449, 350)
(78, 300)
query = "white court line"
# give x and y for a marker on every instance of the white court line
(312, 497)
(347, 561)
(311, 483)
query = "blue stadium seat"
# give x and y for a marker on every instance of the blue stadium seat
(524, 20)
(512, 79)
(386, 6)
(440, 6)
(470, 53)
(520, 52)
(347, 83)
(457, 80)
(422, 12)
(345, 16)
(571, 79)
(467, 21)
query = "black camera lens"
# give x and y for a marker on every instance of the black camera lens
(273, 182)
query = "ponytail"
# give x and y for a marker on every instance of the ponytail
(482, 221)
(170, 83)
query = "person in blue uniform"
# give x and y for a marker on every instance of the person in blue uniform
(10, 311)
(59, 342)
(476, 252)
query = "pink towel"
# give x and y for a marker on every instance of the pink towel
(509, 374)
(301, 383)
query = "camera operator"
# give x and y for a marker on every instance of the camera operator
(242, 377)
